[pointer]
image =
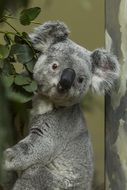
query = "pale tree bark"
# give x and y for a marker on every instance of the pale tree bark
(116, 105)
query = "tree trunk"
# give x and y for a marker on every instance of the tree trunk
(116, 104)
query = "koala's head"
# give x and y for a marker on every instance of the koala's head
(65, 71)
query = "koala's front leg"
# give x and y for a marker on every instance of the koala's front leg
(37, 147)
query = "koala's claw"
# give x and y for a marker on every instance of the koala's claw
(8, 154)
(8, 157)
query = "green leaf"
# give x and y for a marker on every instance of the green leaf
(18, 39)
(4, 51)
(25, 35)
(19, 97)
(1, 63)
(8, 80)
(22, 80)
(8, 68)
(24, 20)
(23, 52)
(32, 87)
(28, 15)
(7, 39)
(30, 65)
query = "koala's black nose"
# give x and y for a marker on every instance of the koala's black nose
(67, 79)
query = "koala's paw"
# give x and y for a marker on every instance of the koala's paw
(9, 159)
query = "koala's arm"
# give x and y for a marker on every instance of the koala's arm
(38, 147)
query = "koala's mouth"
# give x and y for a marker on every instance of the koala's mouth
(57, 89)
(57, 94)
(39, 88)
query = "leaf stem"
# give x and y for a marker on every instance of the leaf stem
(17, 33)
(12, 27)
(33, 22)
(7, 16)
(11, 33)
(11, 17)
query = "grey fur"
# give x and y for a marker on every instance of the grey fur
(49, 33)
(57, 153)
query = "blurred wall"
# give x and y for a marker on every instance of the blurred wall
(85, 19)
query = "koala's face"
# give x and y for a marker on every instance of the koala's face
(65, 71)
(62, 74)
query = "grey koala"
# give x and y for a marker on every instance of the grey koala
(57, 153)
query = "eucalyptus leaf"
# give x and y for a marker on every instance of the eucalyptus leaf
(24, 20)
(18, 39)
(7, 39)
(8, 68)
(8, 80)
(19, 97)
(30, 65)
(1, 63)
(4, 51)
(32, 87)
(22, 80)
(28, 15)
(25, 35)
(23, 52)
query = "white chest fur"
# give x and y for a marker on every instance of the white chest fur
(41, 105)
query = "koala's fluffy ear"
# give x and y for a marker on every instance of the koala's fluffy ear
(105, 70)
(47, 34)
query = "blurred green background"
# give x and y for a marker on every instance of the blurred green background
(85, 18)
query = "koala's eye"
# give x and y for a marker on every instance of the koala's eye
(54, 66)
(80, 79)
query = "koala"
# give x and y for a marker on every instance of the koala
(57, 153)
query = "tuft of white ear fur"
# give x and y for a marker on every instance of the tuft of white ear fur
(47, 34)
(106, 70)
